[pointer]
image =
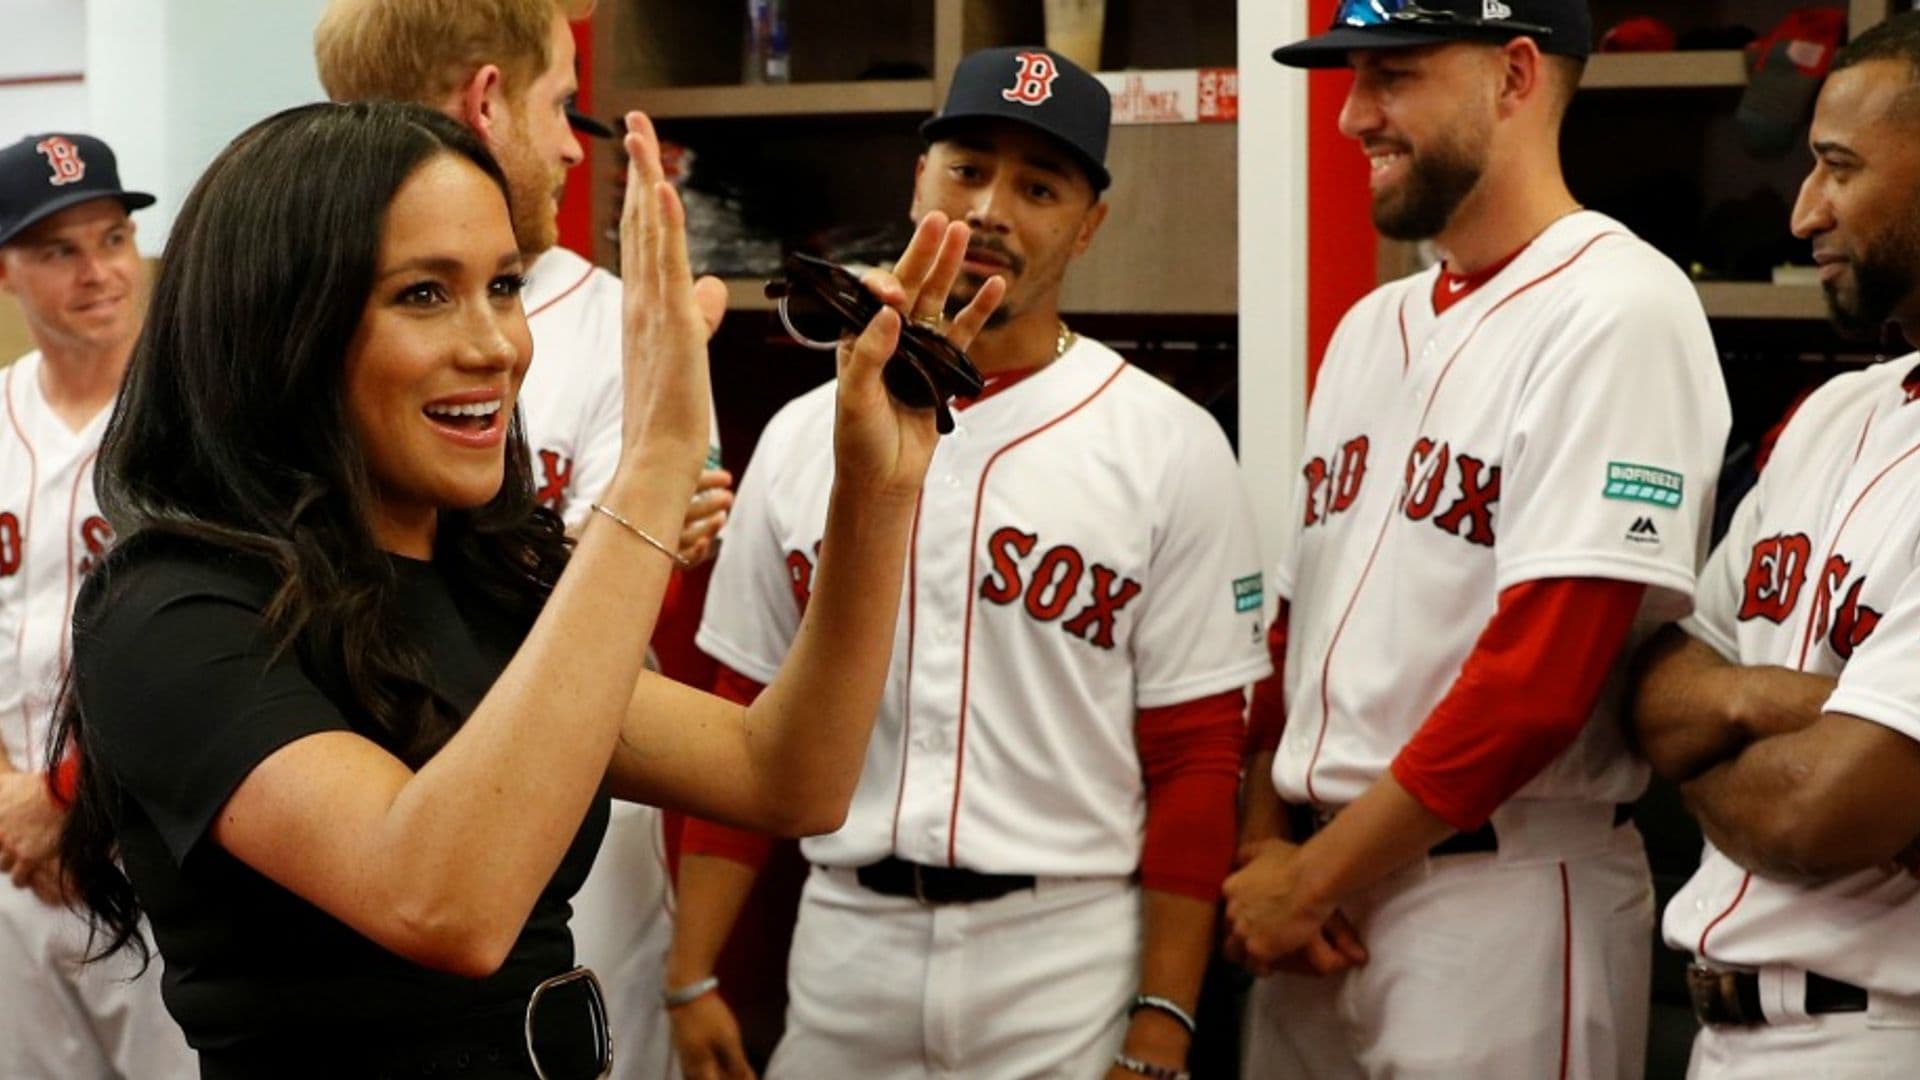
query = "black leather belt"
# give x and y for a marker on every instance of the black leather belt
(938, 884)
(1307, 820)
(1732, 998)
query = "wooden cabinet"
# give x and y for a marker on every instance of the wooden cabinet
(835, 147)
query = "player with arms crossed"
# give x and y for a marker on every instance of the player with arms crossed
(1510, 460)
(505, 69)
(1786, 707)
(1064, 707)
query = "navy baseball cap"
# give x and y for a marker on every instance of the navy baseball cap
(1560, 27)
(1037, 88)
(42, 175)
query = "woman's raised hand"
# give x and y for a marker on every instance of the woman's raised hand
(666, 315)
(880, 443)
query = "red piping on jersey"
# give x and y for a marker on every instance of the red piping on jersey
(1406, 349)
(564, 293)
(1806, 635)
(1326, 664)
(26, 525)
(73, 505)
(1745, 881)
(973, 558)
(1566, 972)
(906, 711)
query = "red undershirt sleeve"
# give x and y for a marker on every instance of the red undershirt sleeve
(701, 837)
(1190, 758)
(1521, 698)
(63, 780)
(1267, 716)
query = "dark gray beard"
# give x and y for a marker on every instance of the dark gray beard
(1882, 282)
(1435, 187)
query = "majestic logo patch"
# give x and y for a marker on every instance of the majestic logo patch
(1249, 593)
(1034, 84)
(1642, 531)
(1643, 483)
(68, 166)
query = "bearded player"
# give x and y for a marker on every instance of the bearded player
(1509, 467)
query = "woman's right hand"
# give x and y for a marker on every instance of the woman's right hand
(666, 315)
(881, 445)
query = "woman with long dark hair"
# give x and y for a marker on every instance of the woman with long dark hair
(348, 707)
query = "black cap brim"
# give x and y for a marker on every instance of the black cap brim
(132, 200)
(940, 127)
(587, 125)
(1332, 49)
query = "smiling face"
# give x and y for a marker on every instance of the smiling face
(1425, 119)
(1030, 205)
(77, 277)
(536, 146)
(1858, 204)
(436, 363)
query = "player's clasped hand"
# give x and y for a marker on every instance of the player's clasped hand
(707, 1039)
(878, 441)
(1272, 923)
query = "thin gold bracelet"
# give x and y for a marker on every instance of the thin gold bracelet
(643, 534)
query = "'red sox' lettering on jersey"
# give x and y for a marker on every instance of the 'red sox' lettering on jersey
(1775, 572)
(1055, 583)
(1433, 471)
(1332, 489)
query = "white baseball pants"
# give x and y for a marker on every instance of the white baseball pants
(1529, 962)
(1033, 984)
(60, 1019)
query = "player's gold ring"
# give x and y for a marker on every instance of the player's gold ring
(935, 323)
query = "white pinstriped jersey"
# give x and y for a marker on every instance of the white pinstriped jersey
(571, 400)
(1565, 420)
(51, 533)
(1820, 572)
(1084, 549)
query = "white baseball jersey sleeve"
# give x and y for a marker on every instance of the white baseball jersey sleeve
(1820, 572)
(51, 534)
(1083, 550)
(1565, 420)
(571, 401)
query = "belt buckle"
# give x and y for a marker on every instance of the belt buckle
(1715, 994)
(596, 1013)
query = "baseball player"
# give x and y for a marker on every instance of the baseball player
(1509, 464)
(1786, 705)
(1063, 713)
(505, 68)
(67, 255)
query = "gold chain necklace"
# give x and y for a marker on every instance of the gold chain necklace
(1063, 340)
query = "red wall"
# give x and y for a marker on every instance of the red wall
(576, 207)
(1341, 245)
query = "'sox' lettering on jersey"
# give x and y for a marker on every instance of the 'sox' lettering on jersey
(1775, 571)
(1034, 84)
(64, 157)
(1849, 627)
(95, 535)
(1054, 584)
(1333, 489)
(1433, 470)
(556, 475)
(13, 548)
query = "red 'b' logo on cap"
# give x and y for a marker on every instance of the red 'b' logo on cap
(1034, 84)
(68, 168)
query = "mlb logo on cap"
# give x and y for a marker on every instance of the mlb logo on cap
(42, 175)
